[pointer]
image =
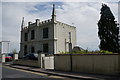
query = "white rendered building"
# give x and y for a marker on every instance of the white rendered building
(50, 36)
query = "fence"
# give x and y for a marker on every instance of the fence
(98, 63)
(43, 61)
(87, 63)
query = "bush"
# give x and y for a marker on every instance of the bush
(87, 52)
(106, 52)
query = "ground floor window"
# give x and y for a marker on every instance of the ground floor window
(32, 50)
(45, 48)
(25, 49)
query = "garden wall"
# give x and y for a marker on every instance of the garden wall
(26, 62)
(48, 62)
(97, 63)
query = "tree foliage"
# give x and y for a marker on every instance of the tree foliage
(108, 31)
(14, 51)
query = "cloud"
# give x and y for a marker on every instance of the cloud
(84, 15)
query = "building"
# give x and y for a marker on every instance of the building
(4, 47)
(50, 36)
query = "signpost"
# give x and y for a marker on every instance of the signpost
(4, 47)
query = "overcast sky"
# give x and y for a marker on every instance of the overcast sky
(83, 15)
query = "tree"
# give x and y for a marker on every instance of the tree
(108, 31)
(14, 51)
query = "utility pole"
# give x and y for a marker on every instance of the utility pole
(70, 50)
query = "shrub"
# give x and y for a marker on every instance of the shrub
(87, 52)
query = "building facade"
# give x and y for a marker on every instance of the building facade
(50, 36)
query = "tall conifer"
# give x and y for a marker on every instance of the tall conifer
(108, 31)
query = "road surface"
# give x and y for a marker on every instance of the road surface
(9, 73)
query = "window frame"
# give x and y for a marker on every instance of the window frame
(45, 33)
(26, 36)
(32, 34)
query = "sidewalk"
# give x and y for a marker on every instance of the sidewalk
(73, 75)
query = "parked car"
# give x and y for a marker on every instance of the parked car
(10, 54)
(8, 58)
(31, 56)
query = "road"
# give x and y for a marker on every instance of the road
(9, 73)
(16, 73)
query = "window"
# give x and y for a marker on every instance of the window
(32, 34)
(25, 49)
(26, 37)
(32, 50)
(45, 33)
(45, 48)
(70, 36)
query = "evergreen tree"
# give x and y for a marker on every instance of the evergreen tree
(108, 31)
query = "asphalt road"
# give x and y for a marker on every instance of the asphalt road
(12, 73)
(9, 73)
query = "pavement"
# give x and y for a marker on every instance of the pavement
(72, 75)
(0, 71)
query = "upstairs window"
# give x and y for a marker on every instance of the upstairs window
(32, 34)
(26, 36)
(45, 33)
(70, 37)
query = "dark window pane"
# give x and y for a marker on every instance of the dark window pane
(32, 50)
(32, 34)
(25, 49)
(45, 33)
(70, 36)
(26, 37)
(45, 48)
